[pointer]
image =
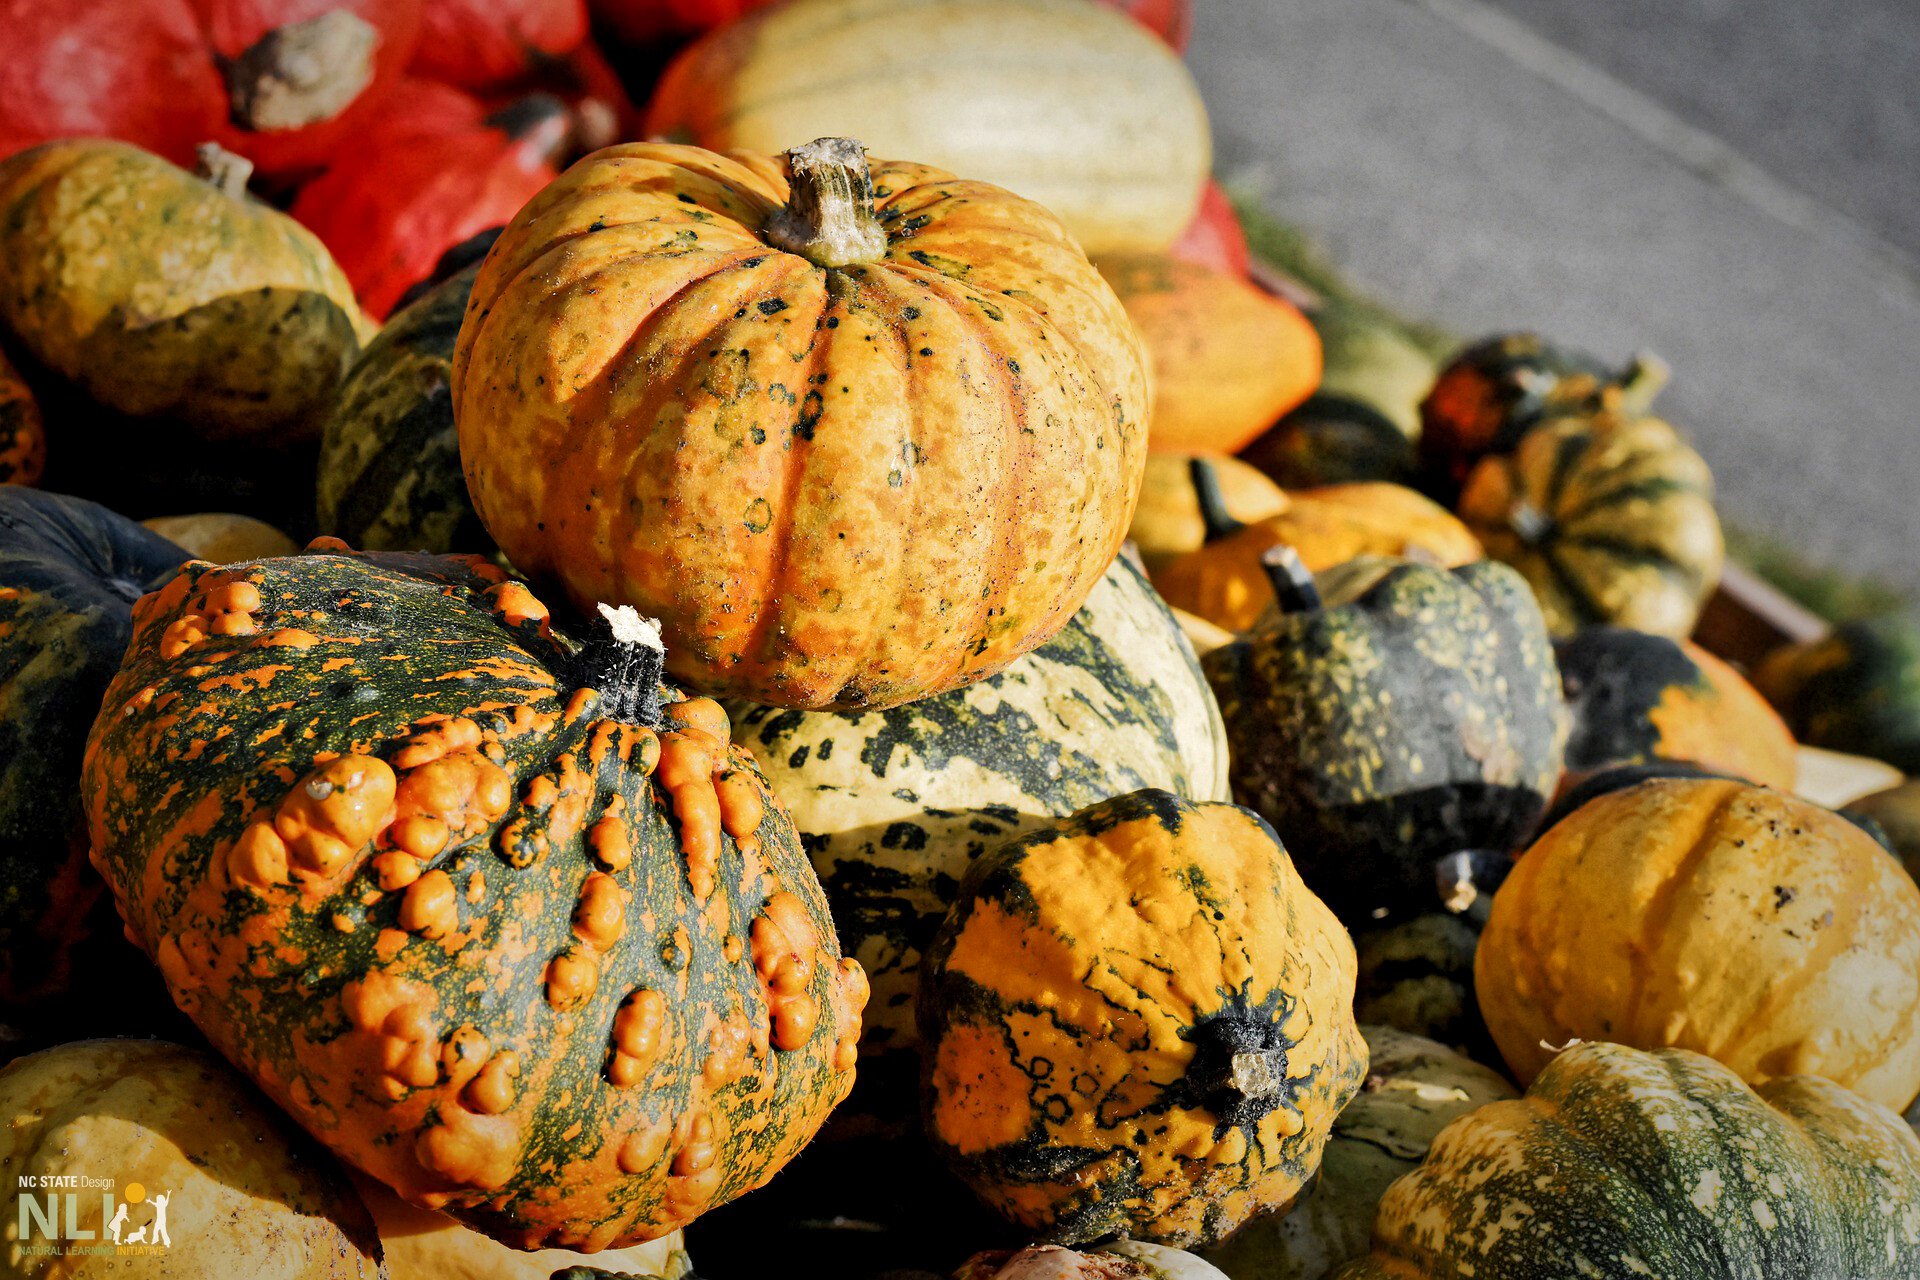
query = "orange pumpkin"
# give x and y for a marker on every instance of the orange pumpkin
(854, 440)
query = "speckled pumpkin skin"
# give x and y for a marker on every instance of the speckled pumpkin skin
(1121, 1260)
(23, 434)
(1420, 718)
(160, 295)
(837, 488)
(249, 1195)
(1759, 929)
(1610, 520)
(1091, 979)
(69, 574)
(389, 473)
(1636, 698)
(565, 977)
(1414, 1089)
(1620, 1165)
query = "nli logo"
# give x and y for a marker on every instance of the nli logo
(65, 1215)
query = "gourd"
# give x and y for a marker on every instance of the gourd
(163, 294)
(1623, 1164)
(1636, 698)
(69, 574)
(23, 435)
(487, 910)
(1228, 359)
(222, 537)
(1215, 238)
(1405, 714)
(1855, 689)
(1021, 96)
(1177, 511)
(1710, 915)
(1896, 811)
(1166, 1070)
(1576, 791)
(1122, 1260)
(1226, 582)
(1416, 976)
(644, 22)
(1610, 520)
(1414, 1089)
(481, 45)
(185, 1143)
(894, 805)
(875, 433)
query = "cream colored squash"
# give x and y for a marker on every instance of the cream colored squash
(223, 537)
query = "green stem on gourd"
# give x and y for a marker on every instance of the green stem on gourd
(829, 217)
(302, 73)
(1294, 589)
(623, 661)
(1219, 521)
(223, 169)
(1645, 377)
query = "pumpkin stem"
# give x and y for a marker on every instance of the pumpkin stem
(1470, 876)
(539, 121)
(223, 168)
(1293, 584)
(623, 660)
(1237, 1070)
(1213, 502)
(829, 218)
(1529, 523)
(302, 73)
(1645, 377)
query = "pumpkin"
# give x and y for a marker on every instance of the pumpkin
(1328, 442)
(419, 183)
(873, 436)
(1214, 238)
(471, 902)
(222, 537)
(160, 293)
(894, 805)
(195, 1163)
(69, 574)
(1226, 583)
(1855, 689)
(1228, 359)
(1122, 1260)
(1416, 976)
(1577, 790)
(647, 21)
(1620, 1163)
(1636, 698)
(389, 472)
(1177, 511)
(1499, 388)
(1414, 1089)
(1710, 915)
(1413, 712)
(1167, 1069)
(23, 435)
(489, 44)
(1610, 520)
(1023, 96)
(1896, 812)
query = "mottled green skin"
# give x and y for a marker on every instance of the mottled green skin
(1416, 976)
(1414, 1089)
(389, 473)
(1855, 690)
(1624, 1165)
(894, 805)
(1422, 717)
(69, 574)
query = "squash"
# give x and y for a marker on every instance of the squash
(1215, 238)
(1416, 976)
(424, 178)
(894, 805)
(23, 434)
(873, 435)
(1896, 811)
(1165, 1070)
(1228, 359)
(1610, 519)
(160, 293)
(69, 574)
(1414, 1089)
(1636, 698)
(1177, 513)
(197, 1167)
(1022, 96)
(1412, 713)
(480, 45)
(1710, 915)
(1621, 1164)
(1855, 689)
(1226, 583)
(1122, 1260)
(1577, 790)
(541, 950)
(222, 537)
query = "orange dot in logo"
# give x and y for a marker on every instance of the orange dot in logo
(134, 1193)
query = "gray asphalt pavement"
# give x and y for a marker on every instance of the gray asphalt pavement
(1533, 165)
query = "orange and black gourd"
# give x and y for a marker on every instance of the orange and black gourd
(1420, 717)
(489, 912)
(1488, 396)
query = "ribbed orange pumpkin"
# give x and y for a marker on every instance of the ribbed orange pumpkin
(854, 444)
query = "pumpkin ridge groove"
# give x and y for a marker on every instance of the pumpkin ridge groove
(1626, 491)
(1658, 914)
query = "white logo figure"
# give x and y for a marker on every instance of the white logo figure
(138, 1237)
(160, 1235)
(119, 1221)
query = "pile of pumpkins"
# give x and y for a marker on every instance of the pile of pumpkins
(839, 690)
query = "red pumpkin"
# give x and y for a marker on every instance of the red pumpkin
(485, 44)
(436, 170)
(1214, 237)
(1171, 20)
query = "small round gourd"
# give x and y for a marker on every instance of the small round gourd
(222, 536)
(1138, 1020)
(1855, 689)
(1710, 915)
